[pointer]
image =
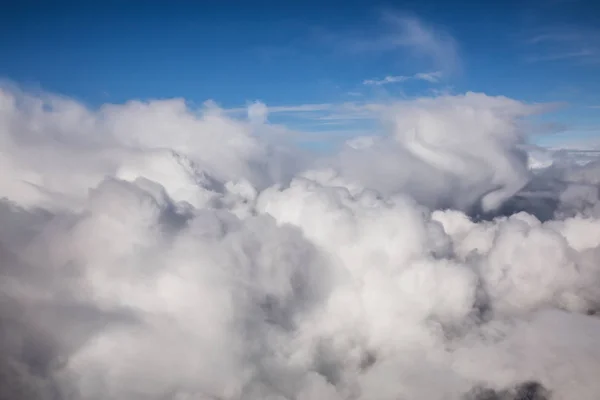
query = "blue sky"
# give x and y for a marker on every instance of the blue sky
(310, 55)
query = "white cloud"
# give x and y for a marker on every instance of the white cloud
(408, 36)
(149, 250)
(321, 112)
(291, 109)
(437, 45)
(468, 140)
(429, 76)
(303, 108)
(258, 112)
(423, 76)
(388, 79)
(423, 40)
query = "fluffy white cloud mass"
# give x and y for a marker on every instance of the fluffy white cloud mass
(153, 251)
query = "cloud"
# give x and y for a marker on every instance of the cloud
(563, 56)
(554, 37)
(579, 44)
(405, 35)
(387, 80)
(423, 76)
(291, 109)
(322, 113)
(422, 39)
(429, 76)
(150, 250)
(302, 108)
(258, 112)
(453, 140)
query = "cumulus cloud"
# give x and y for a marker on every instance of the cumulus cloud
(258, 112)
(450, 151)
(153, 251)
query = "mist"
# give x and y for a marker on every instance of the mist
(152, 250)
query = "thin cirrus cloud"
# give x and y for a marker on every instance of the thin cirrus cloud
(317, 111)
(578, 54)
(424, 40)
(432, 77)
(565, 44)
(406, 35)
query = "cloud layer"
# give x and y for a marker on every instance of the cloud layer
(153, 251)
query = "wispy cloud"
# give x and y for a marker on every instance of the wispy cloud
(582, 139)
(563, 44)
(429, 76)
(407, 35)
(302, 108)
(385, 81)
(316, 121)
(424, 40)
(583, 53)
(339, 114)
(553, 37)
(291, 109)
(422, 76)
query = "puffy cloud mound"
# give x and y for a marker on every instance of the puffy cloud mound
(153, 251)
(451, 151)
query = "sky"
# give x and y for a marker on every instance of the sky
(319, 66)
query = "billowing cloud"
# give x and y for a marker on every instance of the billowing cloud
(459, 151)
(258, 112)
(153, 251)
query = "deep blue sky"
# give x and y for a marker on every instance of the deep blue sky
(292, 53)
